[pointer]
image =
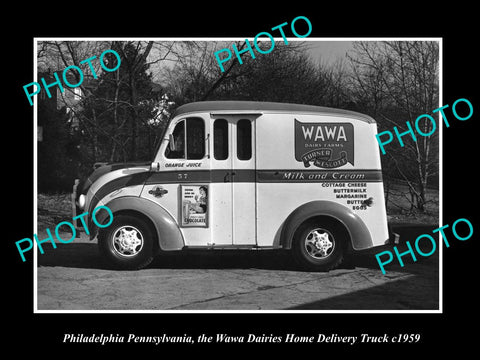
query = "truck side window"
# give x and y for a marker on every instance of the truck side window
(244, 140)
(195, 138)
(220, 139)
(192, 140)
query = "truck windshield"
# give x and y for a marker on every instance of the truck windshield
(189, 140)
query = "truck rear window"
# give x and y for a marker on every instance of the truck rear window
(244, 140)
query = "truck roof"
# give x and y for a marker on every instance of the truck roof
(233, 106)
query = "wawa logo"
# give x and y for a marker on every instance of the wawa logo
(325, 145)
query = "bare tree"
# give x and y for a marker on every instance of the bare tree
(401, 80)
(55, 56)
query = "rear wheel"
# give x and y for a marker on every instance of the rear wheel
(127, 243)
(319, 245)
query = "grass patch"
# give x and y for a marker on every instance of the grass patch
(53, 208)
(399, 207)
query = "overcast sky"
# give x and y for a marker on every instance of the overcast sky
(321, 51)
(328, 51)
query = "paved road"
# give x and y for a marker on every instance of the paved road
(73, 277)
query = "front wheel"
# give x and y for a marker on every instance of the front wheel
(127, 243)
(319, 245)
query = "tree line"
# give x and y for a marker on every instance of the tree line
(119, 117)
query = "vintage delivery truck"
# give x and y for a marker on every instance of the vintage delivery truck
(245, 175)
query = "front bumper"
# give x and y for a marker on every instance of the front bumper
(393, 237)
(75, 208)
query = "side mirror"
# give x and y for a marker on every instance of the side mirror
(171, 143)
(155, 166)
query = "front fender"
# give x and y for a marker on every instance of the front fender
(168, 233)
(359, 235)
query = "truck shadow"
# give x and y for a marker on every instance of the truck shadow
(85, 255)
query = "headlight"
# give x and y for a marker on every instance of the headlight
(81, 201)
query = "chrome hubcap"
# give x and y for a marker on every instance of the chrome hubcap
(319, 243)
(127, 241)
